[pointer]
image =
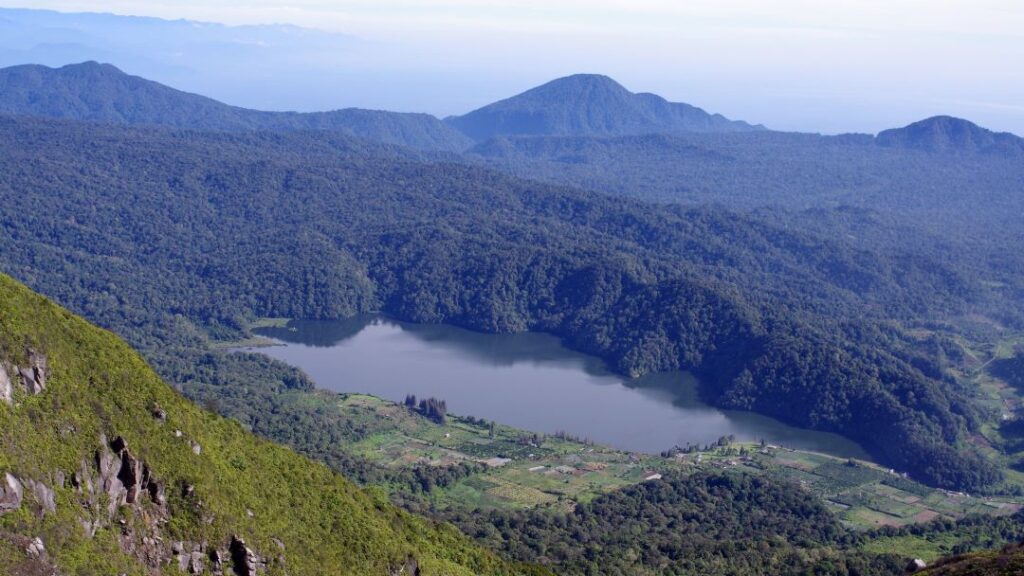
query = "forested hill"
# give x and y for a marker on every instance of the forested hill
(948, 134)
(151, 231)
(104, 469)
(586, 105)
(102, 93)
(959, 205)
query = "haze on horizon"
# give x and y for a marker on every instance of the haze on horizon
(844, 66)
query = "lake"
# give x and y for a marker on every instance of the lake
(528, 380)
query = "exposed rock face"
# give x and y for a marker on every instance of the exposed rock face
(130, 475)
(191, 557)
(44, 496)
(245, 561)
(108, 464)
(10, 494)
(6, 391)
(217, 561)
(157, 492)
(33, 377)
(195, 565)
(122, 476)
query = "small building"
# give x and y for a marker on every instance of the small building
(654, 476)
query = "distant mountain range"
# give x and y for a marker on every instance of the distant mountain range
(588, 105)
(103, 93)
(579, 106)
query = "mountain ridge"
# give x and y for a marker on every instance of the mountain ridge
(579, 105)
(588, 104)
(98, 92)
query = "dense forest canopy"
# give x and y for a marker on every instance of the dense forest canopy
(143, 229)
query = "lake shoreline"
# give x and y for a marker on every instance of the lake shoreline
(653, 413)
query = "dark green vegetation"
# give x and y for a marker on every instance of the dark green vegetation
(1008, 561)
(697, 524)
(1010, 370)
(588, 105)
(877, 188)
(102, 93)
(157, 233)
(186, 475)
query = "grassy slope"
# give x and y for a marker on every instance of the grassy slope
(98, 385)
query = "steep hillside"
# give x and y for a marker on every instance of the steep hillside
(588, 104)
(102, 93)
(104, 469)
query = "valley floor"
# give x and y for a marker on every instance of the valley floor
(558, 472)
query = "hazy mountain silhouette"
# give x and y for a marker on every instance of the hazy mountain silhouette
(948, 134)
(586, 105)
(103, 93)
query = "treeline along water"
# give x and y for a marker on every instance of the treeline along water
(527, 380)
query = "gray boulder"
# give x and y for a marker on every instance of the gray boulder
(11, 492)
(44, 496)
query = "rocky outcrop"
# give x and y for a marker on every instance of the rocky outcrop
(159, 413)
(11, 492)
(35, 548)
(123, 477)
(191, 558)
(131, 475)
(6, 390)
(246, 562)
(44, 496)
(108, 464)
(217, 559)
(33, 376)
(157, 492)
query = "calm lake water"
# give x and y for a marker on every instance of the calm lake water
(528, 381)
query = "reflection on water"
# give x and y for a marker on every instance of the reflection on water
(527, 380)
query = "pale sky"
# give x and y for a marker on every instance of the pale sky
(825, 65)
